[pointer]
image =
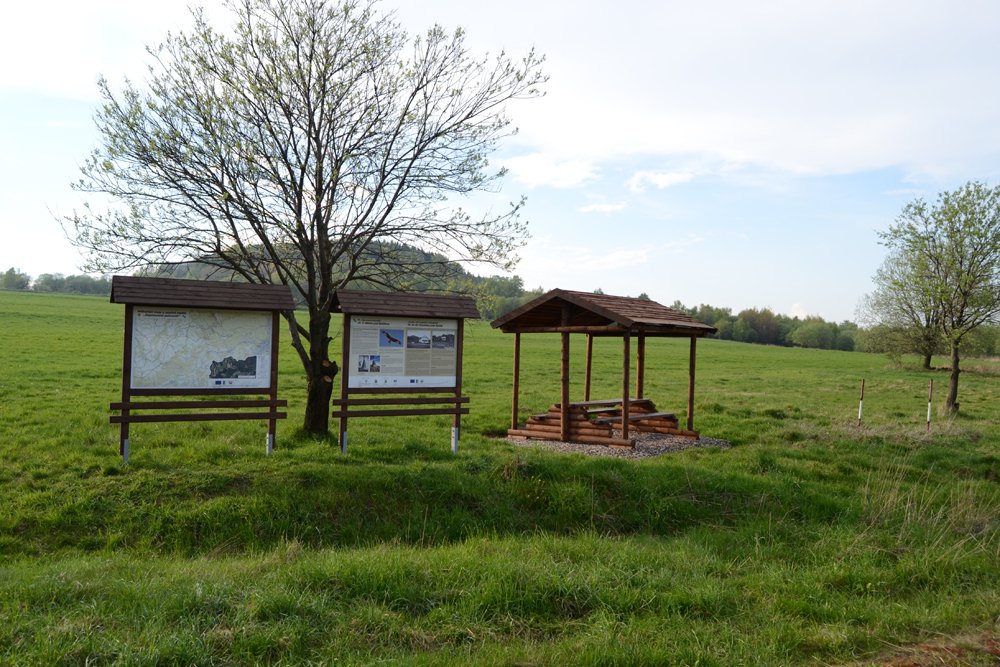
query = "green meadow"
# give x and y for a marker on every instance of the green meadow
(809, 541)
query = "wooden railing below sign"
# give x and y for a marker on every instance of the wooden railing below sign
(399, 406)
(126, 417)
(347, 403)
(207, 410)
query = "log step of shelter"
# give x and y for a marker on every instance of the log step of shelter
(548, 426)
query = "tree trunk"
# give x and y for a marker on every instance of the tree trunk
(320, 375)
(927, 362)
(951, 404)
(318, 393)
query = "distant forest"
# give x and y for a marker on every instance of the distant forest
(13, 279)
(496, 295)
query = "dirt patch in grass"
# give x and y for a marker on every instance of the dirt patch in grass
(974, 650)
(646, 445)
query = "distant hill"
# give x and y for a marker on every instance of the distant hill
(405, 267)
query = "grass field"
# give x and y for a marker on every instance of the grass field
(810, 541)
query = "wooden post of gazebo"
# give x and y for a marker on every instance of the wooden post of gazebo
(690, 420)
(517, 379)
(564, 378)
(590, 357)
(640, 365)
(626, 404)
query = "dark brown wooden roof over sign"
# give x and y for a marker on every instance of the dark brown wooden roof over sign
(599, 314)
(405, 304)
(200, 294)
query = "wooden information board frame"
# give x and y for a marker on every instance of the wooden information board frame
(208, 297)
(406, 397)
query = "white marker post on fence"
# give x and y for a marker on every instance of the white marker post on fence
(861, 401)
(930, 399)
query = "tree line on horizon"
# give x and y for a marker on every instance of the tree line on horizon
(498, 295)
(15, 279)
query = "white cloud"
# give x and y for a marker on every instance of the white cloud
(906, 192)
(542, 169)
(553, 260)
(602, 208)
(658, 179)
(809, 88)
(815, 88)
(798, 310)
(679, 245)
(544, 261)
(61, 47)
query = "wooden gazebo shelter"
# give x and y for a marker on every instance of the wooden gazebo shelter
(567, 312)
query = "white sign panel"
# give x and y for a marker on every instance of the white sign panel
(402, 352)
(194, 348)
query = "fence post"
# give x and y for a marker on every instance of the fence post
(930, 399)
(861, 401)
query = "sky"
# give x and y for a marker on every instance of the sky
(730, 153)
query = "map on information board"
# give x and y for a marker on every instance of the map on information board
(402, 352)
(193, 348)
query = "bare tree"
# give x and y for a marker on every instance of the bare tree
(953, 248)
(303, 147)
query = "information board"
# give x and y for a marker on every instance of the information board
(402, 352)
(195, 348)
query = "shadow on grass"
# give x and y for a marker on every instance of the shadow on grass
(409, 492)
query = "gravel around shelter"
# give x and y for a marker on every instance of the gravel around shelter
(646, 445)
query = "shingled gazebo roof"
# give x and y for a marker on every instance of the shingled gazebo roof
(600, 315)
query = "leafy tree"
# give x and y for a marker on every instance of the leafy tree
(846, 334)
(764, 323)
(982, 342)
(724, 328)
(786, 325)
(815, 333)
(909, 314)
(504, 286)
(953, 248)
(498, 295)
(49, 282)
(15, 280)
(873, 339)
(84, 284)
(286, 148)
(743, 332)
(711, 315)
